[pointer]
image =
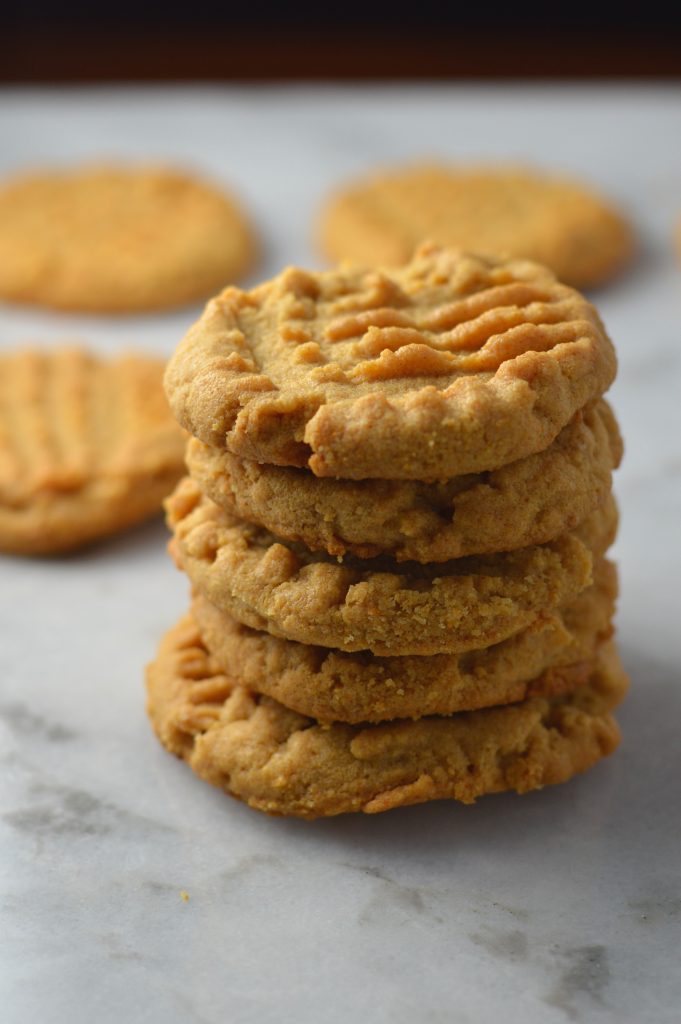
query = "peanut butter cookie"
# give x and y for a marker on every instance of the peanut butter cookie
(451, 364)
(376, 605)
(503, 210)
(281, 762)
(87, 447)
(552, 656)
(530, 501)
(116, 239)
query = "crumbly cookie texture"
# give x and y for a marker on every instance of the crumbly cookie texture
(118, 239)
(87, 447)
(376, 605)
(530, 501)
(519, 212)
(552, 656)
(283, 763)
(449, 365)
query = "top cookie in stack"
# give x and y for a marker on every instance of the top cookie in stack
(400, 507)
(452, 364)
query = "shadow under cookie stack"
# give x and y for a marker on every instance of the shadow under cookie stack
(395, 528)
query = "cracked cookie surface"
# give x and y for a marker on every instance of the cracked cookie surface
(530, 501)
(87, 447)
(377, 605)
(449, 365)
(515, 211)
(284, 763)
(118, 239)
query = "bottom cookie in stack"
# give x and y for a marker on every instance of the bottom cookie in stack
(283, 762)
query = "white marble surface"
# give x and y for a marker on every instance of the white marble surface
(560, 906)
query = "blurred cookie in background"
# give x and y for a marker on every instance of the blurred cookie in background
(87, 447)
(117, 239)
(502, 210)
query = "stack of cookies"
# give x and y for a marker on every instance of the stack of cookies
(395, 528)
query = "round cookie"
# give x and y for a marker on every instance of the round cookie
(451, 364)
(552, 656)
(113, 239)
(281, 762)
(496, 210)
(530, 501)
(392, 609)
(87, 447)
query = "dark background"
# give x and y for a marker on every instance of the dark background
(42, 41)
